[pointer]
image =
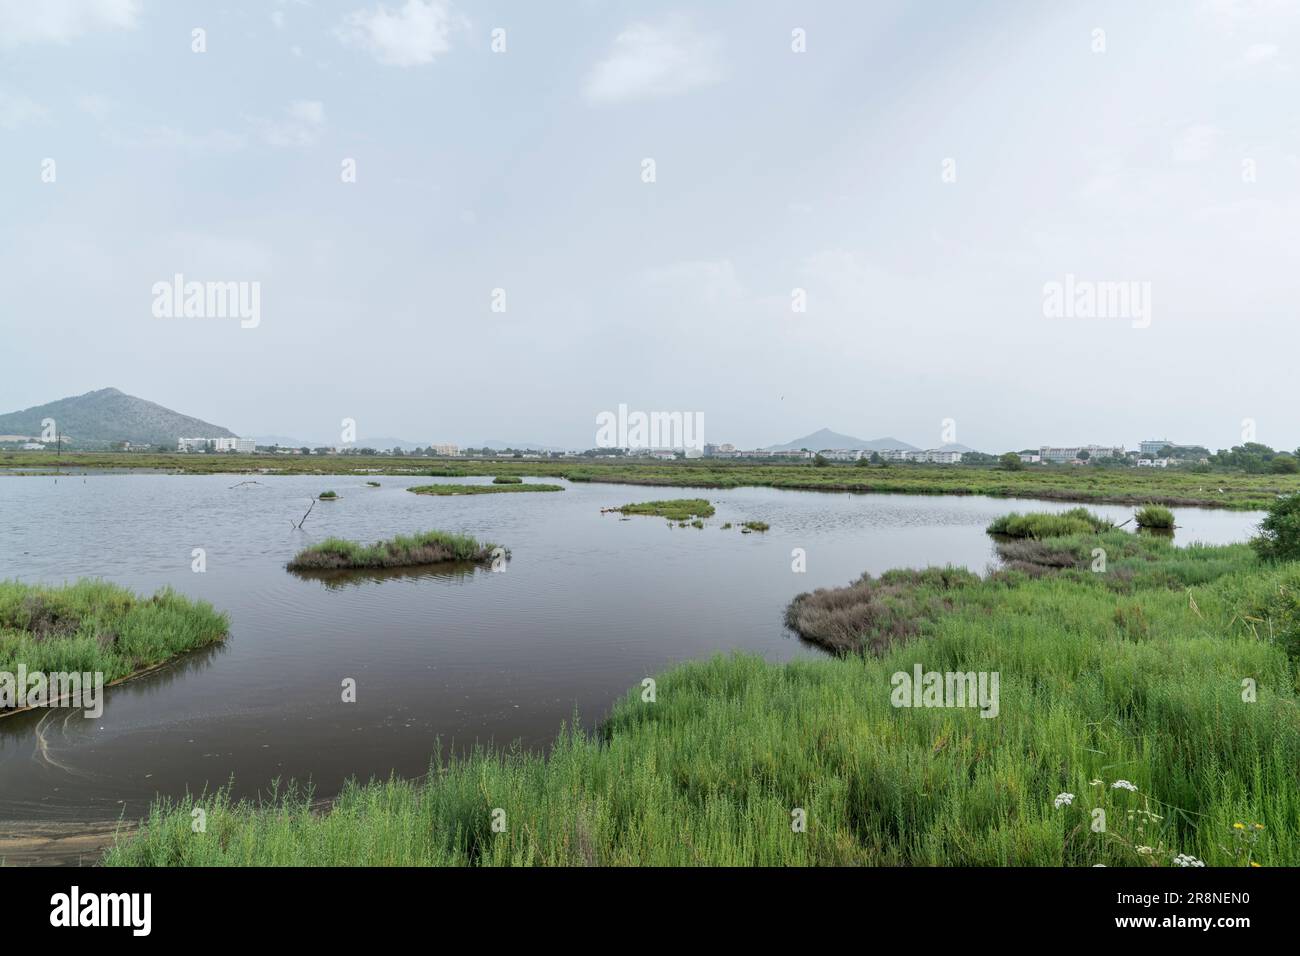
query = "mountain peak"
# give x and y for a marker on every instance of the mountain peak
(110, 415)
(825, 438)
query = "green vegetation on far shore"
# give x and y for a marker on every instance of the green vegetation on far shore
(93, 626)
(403, 551)
(1172, 487)
(494, 489)
(674, 509)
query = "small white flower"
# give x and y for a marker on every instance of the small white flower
(1186, 859)
(1063, 800)
(1096, 783)
(1123, 785)
(1145, 850)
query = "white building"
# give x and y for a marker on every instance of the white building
(932, 456)
(936, 456)
(840, 454)
(450, 451)
(1071, 453)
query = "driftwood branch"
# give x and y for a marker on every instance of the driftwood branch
(304, 517)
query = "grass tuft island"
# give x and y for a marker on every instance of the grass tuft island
(97, 627)
(1042, 524)
(403, 551)
(493, 489)
(674, 509)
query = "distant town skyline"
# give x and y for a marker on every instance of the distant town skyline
(111, 408)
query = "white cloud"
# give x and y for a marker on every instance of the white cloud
(59, 21)
(411, 35)
(302, 125)
(171, 137)
(96, 105)
(651, 60)
(1196, 143)
(17, 110)
(1229, 16)
(1261, 52)
(277, 18)
(709, 281)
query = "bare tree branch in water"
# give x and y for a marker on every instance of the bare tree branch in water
(298, 526)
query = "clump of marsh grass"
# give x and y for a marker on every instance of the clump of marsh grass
(675, 509)
(493, 489)
(1279, 532)
(507, 480)
(96, 626)
(756, 525)
(1155, 517)
(403, 551)
(328, 495)
(1048, 524)
(373, 484)
(871, 614)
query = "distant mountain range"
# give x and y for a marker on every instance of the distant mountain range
(108, 415)
(825, 438)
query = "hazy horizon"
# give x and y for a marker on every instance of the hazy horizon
(921, 175)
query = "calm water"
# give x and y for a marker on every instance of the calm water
(588, 606)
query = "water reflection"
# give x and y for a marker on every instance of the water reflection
(338, 579)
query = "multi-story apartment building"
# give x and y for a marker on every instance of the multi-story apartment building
(1071, 453)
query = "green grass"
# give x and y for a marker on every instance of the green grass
(674, 509)
(493, 489)
(506, 480)
(328, 495)
(1046, 524)
(427, 547)
(756, 525)
(1171, 487)
(373, 484)
(1133, 674)
(96, 626)
(1155, 516)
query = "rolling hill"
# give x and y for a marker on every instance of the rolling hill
(109, 415)
(825, 438)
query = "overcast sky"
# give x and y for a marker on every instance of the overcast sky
(1164, 150)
